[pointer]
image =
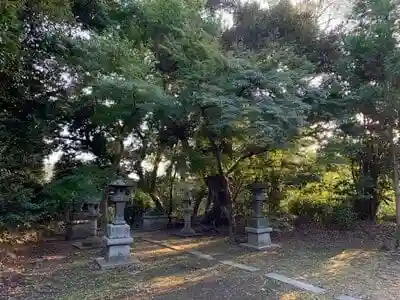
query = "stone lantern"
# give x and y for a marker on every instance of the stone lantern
(93, 211)
(187, 210)
(258, 230)
(83, 222)
(90, 212)
(118, 239)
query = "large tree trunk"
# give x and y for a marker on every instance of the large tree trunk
(367, 204)
(396, 187)
(219, 194)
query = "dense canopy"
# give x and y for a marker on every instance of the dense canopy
(165, 92)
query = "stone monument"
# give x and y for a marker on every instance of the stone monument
(83, 220)
(118, 239)
(91, 213)
(258, 230)
(154, 219)
(187, 210)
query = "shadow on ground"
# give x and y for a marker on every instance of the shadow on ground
(343, 263)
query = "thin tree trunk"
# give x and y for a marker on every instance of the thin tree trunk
(396, 187)
(197, 201)
(171, 194)
(158, 203)
(119, 150)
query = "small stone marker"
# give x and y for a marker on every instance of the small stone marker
(240, 266)
(200, 254)
(296, 283)
(258, 231)
(344, 297)
(118, 239)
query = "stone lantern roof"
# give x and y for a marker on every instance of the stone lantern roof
(93, 200)
(121, 182)
(257, 186)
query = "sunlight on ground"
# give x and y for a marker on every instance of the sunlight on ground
(342, 262)
(290, 296)
(194, 244)
(10, 270)
(19, 238)
(173, 282)
(300, 296)
(176, 247)
(52, 257)
(153, 252)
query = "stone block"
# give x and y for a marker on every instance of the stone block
(259, 238)
(187, 233)
(89, 243)
(155, 222)
(118, 231)
(81, 229)
(104, 264)
(259, 222)
(116, 242)
(117, 253)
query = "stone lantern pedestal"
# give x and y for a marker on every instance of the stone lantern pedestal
(118, 239)
(91, 213)
(258, 232)
(187, 210)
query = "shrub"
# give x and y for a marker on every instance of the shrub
(341, 216)
(314, 210)
(333, 214)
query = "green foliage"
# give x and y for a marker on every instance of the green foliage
(142, 84)
(85, 182)
(331, 214)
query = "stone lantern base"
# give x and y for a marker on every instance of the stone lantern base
(89, 243)
(259, 239)
(187, 232)
(105, 265)
(118, 243)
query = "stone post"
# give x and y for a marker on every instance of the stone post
(258, 230)
(187, 210)
(118, 239)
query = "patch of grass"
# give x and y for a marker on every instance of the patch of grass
(386, 210)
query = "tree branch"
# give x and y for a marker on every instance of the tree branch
(153, 177)
(217, 155)
(75, 139)
(245, 156)
(141, 136)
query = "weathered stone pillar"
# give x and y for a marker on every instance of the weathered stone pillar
(258, 230)
(187, 210)
(118, 238)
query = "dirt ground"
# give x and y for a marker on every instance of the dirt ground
(348, 263)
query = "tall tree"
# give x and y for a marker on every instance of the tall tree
(31, 90)
(368, 81)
